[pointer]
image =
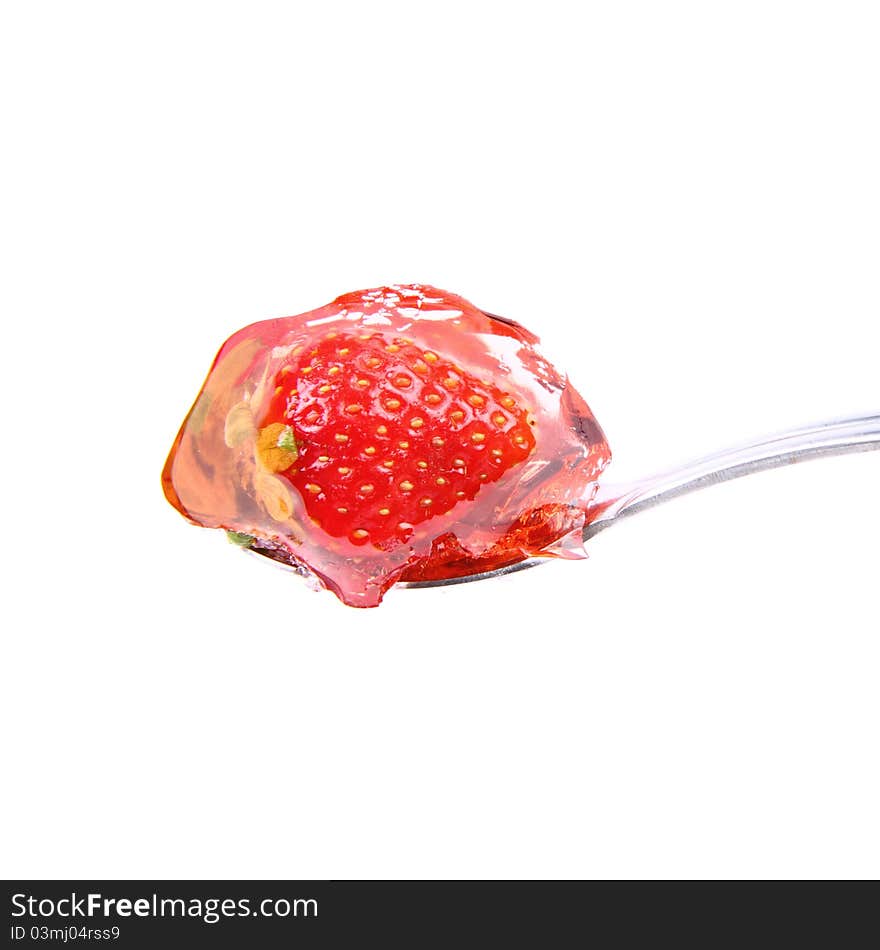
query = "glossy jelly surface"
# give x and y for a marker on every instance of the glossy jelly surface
(395, 434)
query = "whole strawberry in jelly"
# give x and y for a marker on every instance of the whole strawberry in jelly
(395, 434)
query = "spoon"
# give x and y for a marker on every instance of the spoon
(614, 503)
(339, 441)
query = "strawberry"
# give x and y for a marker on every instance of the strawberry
(389, 435)
(396, 433)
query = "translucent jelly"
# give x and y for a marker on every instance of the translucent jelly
(395, 434)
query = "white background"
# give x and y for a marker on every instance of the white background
(682, 199)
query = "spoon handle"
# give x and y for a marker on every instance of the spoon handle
(834, 437)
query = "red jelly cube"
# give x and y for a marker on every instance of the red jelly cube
(395, 434)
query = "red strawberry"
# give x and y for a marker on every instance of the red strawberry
(389, 435)
(395, 433)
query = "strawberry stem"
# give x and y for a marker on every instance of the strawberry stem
(287, 441)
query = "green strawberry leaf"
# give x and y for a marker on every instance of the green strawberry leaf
(240, 539)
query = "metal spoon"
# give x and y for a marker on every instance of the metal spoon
(614, 503)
